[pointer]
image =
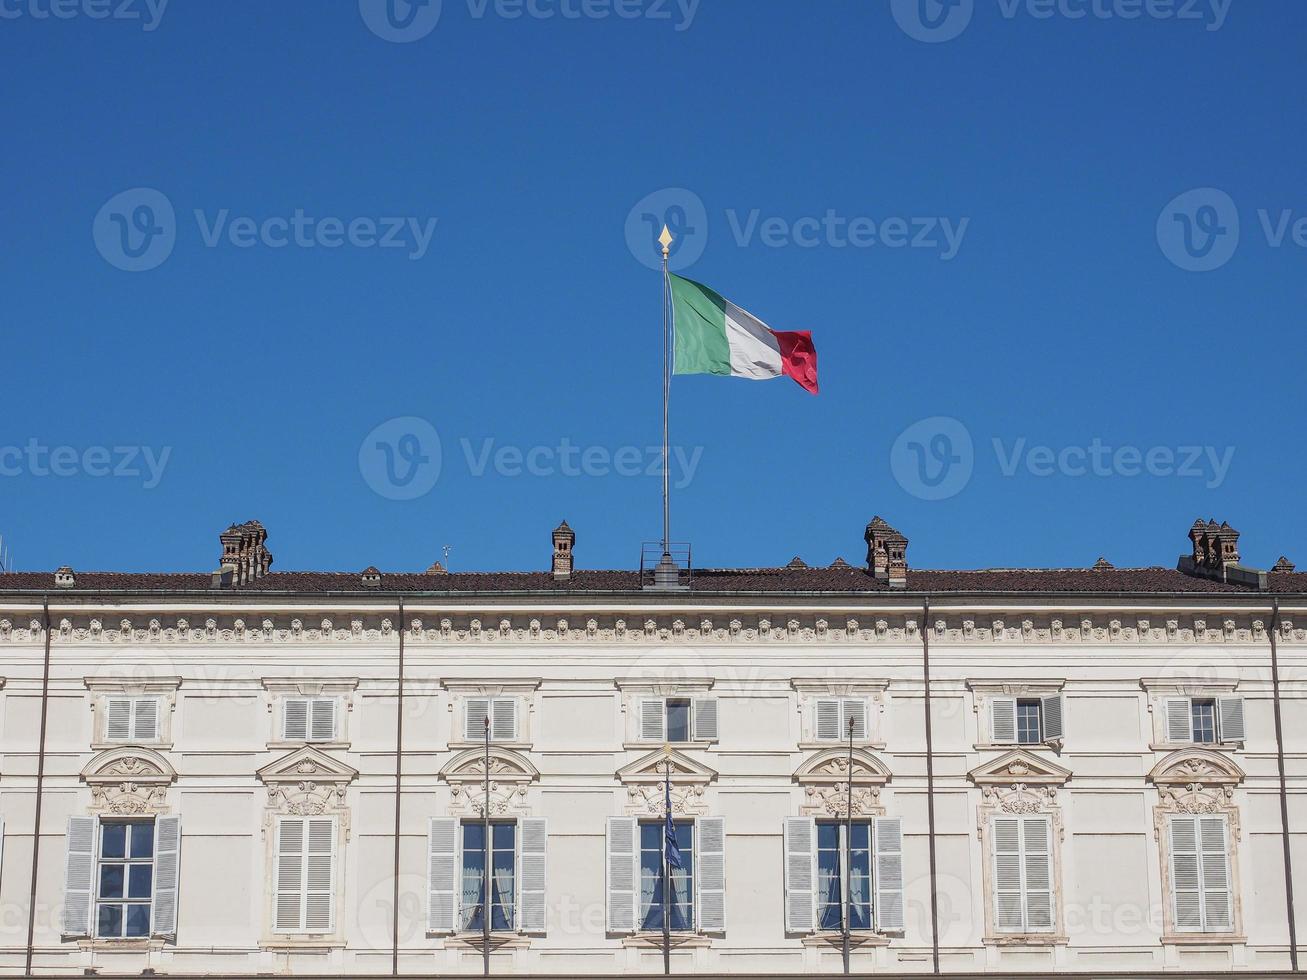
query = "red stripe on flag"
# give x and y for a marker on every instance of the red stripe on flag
(798, 357)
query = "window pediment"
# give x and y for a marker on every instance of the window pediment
(505, 767)
(832, 767)
(1196, 766)
(1019, 766)
(308, 764)
(129, 779)
(652, 768)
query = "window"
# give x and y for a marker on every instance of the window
(1200, 874)
(503, 719)
(678, 720)
(1026, 721)
(124, 879)
(503, 876)
(306, 874)
(309, 719)
(1204, 721)
(818, 861)
(131, 719)
(653, 837)
(833, 855)
(833, 716)
(1023, 874)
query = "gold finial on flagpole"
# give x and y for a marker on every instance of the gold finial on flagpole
(667, 749)
(665, 240)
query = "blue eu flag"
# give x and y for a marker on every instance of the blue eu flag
(673, 851)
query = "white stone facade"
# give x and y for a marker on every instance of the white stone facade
(239, 713)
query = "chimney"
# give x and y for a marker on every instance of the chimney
(564, 540)
(1214, 554)
(245, 556)
(65, 579)
(887, 554)
(1283, 565)
(371, 577)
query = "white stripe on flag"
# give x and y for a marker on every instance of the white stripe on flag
(755, 352)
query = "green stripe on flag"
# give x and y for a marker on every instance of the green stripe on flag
(700, 322)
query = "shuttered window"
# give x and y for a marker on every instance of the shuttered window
(832, 717)
(818, 862)
(124, 879)
(678, 720)
(131, 719)
(1025, 721)
(1023, 874)
(1204, 721)
(305, 875)
(309, 720)
(1201, 892)
(502, 713)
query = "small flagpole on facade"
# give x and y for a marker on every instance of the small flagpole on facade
(665, 240)
(848, 852)
(667, 863)
(486, 901)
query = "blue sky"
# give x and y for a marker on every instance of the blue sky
(1062, 234)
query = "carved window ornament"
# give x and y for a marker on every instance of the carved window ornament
(645, 791)
(1197, 782)
(282, 689)
(824, 777)
(307, 782)
(813, 691)
(511, 774)
(128, 780)
(1021, 784)
(107, 688)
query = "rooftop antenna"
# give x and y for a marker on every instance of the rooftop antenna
(445, 550)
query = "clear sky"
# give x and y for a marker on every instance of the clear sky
(983, 212)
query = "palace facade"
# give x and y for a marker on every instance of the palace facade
(1099, 770)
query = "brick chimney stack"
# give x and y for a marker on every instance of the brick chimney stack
(1214, 554)
(887, 554)
(564, 540)
(245, 556)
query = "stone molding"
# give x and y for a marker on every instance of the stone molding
(129, 779)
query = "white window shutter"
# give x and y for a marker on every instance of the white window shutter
(532, 848)
(705, 720)
(1186, 885)
(800, 873)
(653, 720)
(167, 876)
(322, 720)
(1179, 720)
(1007, 874)
(118, 719)
(1231, 713)
(145, 719)
(710, 873)
(1217, 891)
(855, 708)
(320, 876)
(622, 880)
(295, 720)
(1051, 709)
(1003, 720)
(79, 873)
(889, 874)
(503, 720)
(475, 712)
(443, 873)
(289, 903)
(827, 713)
(1037, 872)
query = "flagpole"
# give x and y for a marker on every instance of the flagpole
(487, 902)
(667, 872)
(665, 239)
(848, 853)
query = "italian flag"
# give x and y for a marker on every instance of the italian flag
(714, 336)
